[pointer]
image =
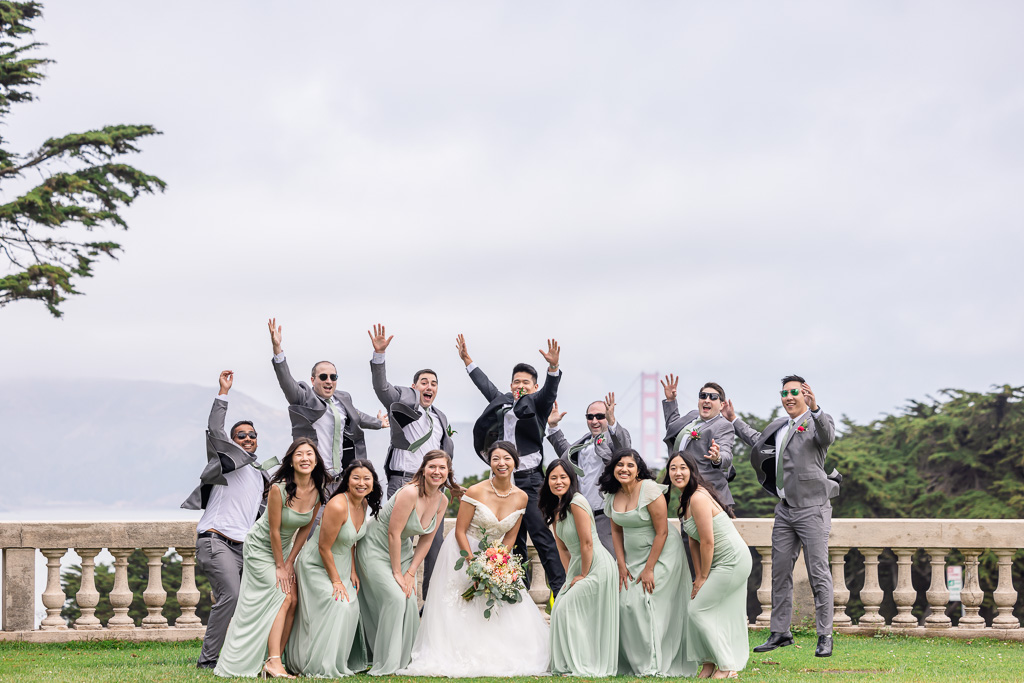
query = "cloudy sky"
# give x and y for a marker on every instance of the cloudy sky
(729, 191)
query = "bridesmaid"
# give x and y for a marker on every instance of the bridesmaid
(266, 599)
(716, 631)
(585, 617)
(654, 581)
(387, 563)
(327, 641)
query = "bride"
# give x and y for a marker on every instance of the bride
(454, 638)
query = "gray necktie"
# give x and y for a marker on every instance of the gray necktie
(414, 446)
(779, 471)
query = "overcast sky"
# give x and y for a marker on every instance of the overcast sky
(729, 191)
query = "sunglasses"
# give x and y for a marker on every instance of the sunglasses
(245, 435)
(595, 416)
(323, 377)
(705, 395)
(792, 392)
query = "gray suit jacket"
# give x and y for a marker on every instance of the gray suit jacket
(305, 408)
(571, 452)
(403, 406)
(803, 460)
(222, 455)
(717, 428)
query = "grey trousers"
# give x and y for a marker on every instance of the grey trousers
(395, 482)
(222, 565)
(604, 530)
(809, 528)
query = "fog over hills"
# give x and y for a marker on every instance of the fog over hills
(104, 443)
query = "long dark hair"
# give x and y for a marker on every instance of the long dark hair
(696, 479)
(286, 472)
(420, 478)
(506, 446)
(552, 506)
(609, 484)
(375, 495)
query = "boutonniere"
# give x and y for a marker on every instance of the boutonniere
(451, 432)
(802, 427)
(694, 434)
(600, 440)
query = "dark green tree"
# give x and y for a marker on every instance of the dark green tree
(46, 232)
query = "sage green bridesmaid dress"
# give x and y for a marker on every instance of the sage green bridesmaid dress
(259, 598)
(585, 617)
(390, 620)
(716, 629)
(651, 625)
(326, 640)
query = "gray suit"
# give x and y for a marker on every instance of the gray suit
(804, 516)
(305, 408)
(604, 449)
(717, 428)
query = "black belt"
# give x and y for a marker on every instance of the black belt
(220, 537)
(598, 513)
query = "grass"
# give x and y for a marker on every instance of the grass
(857, 658)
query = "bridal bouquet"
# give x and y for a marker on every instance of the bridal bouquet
(495, 573)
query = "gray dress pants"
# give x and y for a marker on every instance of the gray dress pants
(807, 527)
(221, 562)
(395, 482)
(604, 530)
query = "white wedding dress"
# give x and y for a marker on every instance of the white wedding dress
(455, 639)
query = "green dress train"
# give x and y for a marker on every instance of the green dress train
(585, 617)
(259, 598)
(327, 640)
(716, 628)
(651, 625)
(390, 620)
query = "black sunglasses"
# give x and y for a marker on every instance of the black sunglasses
(245, 435)
(705, 395)
(323, 377)
(595, 416)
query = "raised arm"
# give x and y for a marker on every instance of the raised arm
(620, 435)
(556, 438)
(485, 385)
(825, 428)
(670, 406)
(545, 398)
(220, 406)
(292, 390)
(745, 432)
(386, 393)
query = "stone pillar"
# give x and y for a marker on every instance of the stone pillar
(904, 593)
(88, 597)
(53, 596)
(539, 591)
(1004, 595)
(19, 589)
(839, 589)
(871, 594)
(120, 595)
(971, 595)
(154, 595)
(764, 591)
(188, 593)
(938, 593)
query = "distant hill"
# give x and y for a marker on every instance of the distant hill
(118, 443)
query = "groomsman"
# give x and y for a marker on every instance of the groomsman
(519, 416)
(322, 412)
(789, 459)
(693, 433)
(590, 454)
(417, 427)
(230, 492)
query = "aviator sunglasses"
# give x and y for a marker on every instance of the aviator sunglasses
(704, 395)
(245, 435)
(792, 392)
(323, 377)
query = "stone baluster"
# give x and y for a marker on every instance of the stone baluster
(971, 595)
(764, 591)
(871, 594)
(938, 592)
(154, 595)
(53, 596)
(88, 597)
(539, 591)
(120, 595)
(904, 593)
(188, 593)
(840, 592)
(1004, 595)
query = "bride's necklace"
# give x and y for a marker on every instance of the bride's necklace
(511, 488)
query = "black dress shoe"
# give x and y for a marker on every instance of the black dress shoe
(824, 648)
(206, 665)
(775, 640)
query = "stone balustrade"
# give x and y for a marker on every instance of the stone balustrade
(929, 541)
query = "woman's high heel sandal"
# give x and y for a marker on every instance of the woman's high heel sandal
(267, 673)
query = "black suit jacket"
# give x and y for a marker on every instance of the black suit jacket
(532, 411)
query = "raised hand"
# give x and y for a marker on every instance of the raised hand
(382, 415)
(552, 354)
(460, 344)
(378, 339)
(275, 335)
(713, 453)
(609, 412)
(555, 417)
(809, 399)
(727, 410)
(671, 386)
(227, 378)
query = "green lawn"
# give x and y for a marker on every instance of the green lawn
(890, 658)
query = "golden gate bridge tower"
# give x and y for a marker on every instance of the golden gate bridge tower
(651, 419)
